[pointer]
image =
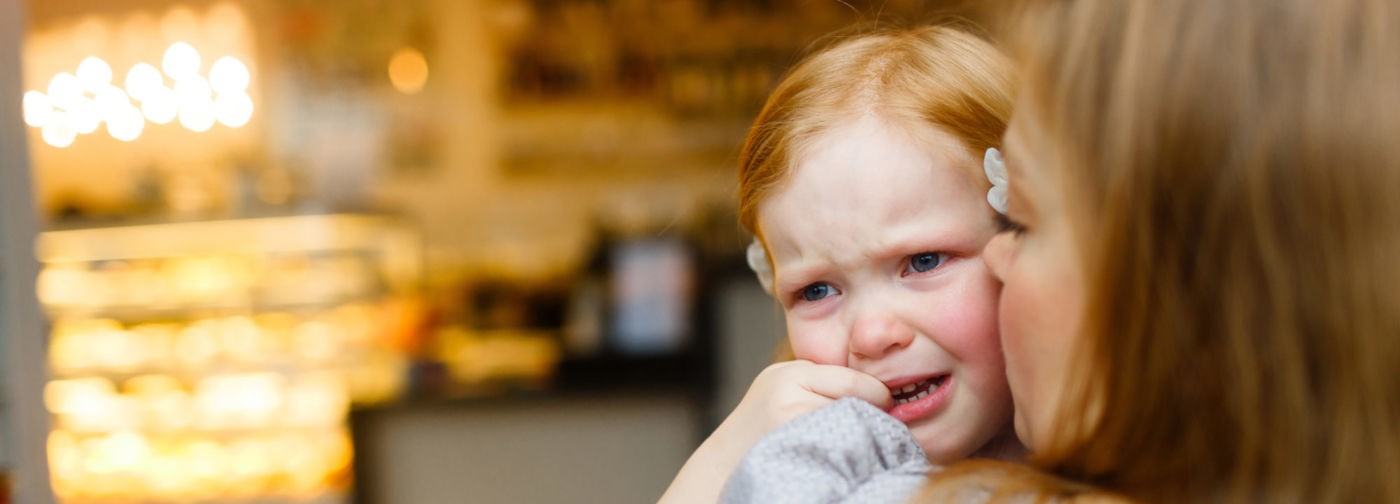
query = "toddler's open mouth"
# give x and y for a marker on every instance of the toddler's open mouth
(915, 391)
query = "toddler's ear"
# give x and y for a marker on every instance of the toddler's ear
(758, 262)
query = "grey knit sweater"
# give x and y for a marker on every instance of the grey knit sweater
(846, 452)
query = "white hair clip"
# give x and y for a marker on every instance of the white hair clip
(996, 174)
(758, 262)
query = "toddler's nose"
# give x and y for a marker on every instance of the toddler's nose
(874, 336)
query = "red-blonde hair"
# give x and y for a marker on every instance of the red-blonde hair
(936, 76)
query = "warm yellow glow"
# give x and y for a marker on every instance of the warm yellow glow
(123, 451)
(57, 133)
(196, 103)
(315, 341)
(233, 109)
(181, 61)
(143, 80)
(118, 349)
(83, 116)
(196, 345)
(159, 106)
(317, 399)
(94, 74)
(126, 124)
(78, 396)
(151, 385)
(229, 75)
(192, 90)
(179, 23)
(37, 109)
(238, 401)
(111, 103)
(225, 24)
(77, 103)
(64, 90)
(90, 34)
(65, 459)
(197, 116)
(241, 339)
(210, 405)
(408, 70)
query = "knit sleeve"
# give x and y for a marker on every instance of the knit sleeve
(846, 452)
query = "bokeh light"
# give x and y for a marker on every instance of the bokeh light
(94, 74)
(160, 106)
(142, 80)
(408, 70)
(233, 109)
(197, 115)
(181, 61)
(229, 75)
(83, 117)
(111, 102)
(78, 102)
(64, 90)
(57, 132)
(126, 123)
(193, 90)
(37, 109)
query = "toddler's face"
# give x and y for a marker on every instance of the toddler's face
(876, 240)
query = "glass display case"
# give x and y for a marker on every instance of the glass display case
(218, 360)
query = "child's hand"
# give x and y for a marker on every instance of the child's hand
(780, 393)
(787, 390)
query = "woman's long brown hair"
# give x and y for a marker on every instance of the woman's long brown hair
(1234, 171)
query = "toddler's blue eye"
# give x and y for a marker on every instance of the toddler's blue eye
(817, 291)
(925, 261)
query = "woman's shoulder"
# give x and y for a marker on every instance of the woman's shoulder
(992, 481)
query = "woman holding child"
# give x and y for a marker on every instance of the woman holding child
(1201, 247)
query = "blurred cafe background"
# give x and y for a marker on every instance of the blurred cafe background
(393, 251)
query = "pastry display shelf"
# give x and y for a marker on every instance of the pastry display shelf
(187, 358)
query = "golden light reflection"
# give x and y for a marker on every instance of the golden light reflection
(143, 81)
(233, 109)
(225, 24)
(126, 123)
(37, 108)
(197, 115)
(94, 74)
(64, 90)
(90, 34)
(229, 75)
(57, 132)
(408, 70)
(181, 61)
(160, 106)
(94, 93)
(82, 117)
(179, 23)
(130, 465)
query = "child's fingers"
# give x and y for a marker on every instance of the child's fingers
(836, 382)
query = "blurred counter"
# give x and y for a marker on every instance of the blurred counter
(299, 359)
(217, 360)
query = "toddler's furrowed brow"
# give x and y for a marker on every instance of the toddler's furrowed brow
(790, 278)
